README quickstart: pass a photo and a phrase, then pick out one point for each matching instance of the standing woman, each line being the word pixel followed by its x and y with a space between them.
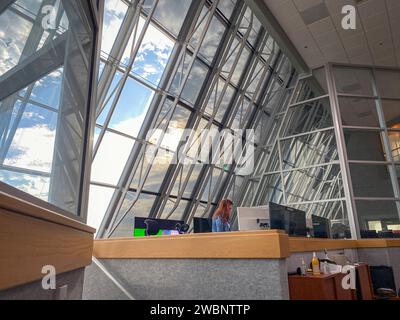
pixel 221 217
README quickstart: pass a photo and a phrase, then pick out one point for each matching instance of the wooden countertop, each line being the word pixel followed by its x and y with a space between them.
pixel 311 244
pixel 32 237
pixel 269 244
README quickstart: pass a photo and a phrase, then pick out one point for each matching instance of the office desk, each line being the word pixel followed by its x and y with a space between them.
pixel 235 265
pixel 329 286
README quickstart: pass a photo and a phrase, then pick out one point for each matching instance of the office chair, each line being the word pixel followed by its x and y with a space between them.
pixel 383 281
pixel 152 227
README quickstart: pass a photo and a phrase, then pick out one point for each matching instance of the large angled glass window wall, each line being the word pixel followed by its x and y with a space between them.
pixel 169 65
pixel 45 67
pixel 354 183
pixel 301 168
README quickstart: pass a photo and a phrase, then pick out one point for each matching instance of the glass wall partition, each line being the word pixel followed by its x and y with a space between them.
pixel 46 50
pixel 336 154
pixel 369 104
pixel 303 170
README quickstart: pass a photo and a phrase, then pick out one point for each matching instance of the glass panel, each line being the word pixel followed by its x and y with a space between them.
pixel 391 111
pixel 335 211
pixel 388 83
pixel 272 190
pixel 315 148
pixel 216 96
pixel 36 185
pixel 210 189
pixel 15 31
pixel 114 13
pixel 320 76
pixel 172 132
pixel 354 81
pixel 170 13
pixel 226 7
pixel 111 94
pixel 159 166
pixel 212 38
pixel 32 145
pixel 240 66
pixel 318 183
pixel 359 112
pixel 308 117
pixel 371 181
pixel 250 21
pixel 178 184
pixel 132 108
pixel 364 145
pixel 111 158
pixel 99 199
pixel 305 90
pixel 43 61
pixel 194 82
pixel 141 208
pixel 370 213
pixel 48 89
pixel 153 55
pixel 261 127
pixel 244 110
pixel 172 213
pixel 394 140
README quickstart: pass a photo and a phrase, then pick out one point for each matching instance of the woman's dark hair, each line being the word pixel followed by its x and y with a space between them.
pixel 222 211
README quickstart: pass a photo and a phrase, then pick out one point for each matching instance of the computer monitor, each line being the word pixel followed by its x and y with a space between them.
pixel 368 234
pixel 321 227
pixel 296 225
pixel 256 218
pixel 277 216
pixel 386 234
pixel 293 221
pixel 165 227
pixel 202 225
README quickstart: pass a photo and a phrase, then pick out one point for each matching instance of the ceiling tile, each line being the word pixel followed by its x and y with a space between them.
pixel 314 14
pixel 376 38
pixel 369 8
pixel 306 4
pixel 363 59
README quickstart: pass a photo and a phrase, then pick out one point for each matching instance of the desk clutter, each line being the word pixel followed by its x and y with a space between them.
pixel 336 278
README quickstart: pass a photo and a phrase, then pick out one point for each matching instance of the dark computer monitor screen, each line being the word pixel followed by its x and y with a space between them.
pixel 291 220
pixel 321 227
pixel 368 234
pixel 277 216
pixel 296 222
pixel 202 225
pixel 165 227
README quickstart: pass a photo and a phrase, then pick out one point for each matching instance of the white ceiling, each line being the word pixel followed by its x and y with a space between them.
pixel 376 40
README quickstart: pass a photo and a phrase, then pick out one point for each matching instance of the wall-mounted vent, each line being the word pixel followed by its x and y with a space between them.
pixel 314 14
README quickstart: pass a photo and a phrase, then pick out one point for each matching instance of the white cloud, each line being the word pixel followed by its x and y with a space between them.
pixel 99 199
pixel 33 148
pixel 34 185
pixel 12 39
pixel 111 158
